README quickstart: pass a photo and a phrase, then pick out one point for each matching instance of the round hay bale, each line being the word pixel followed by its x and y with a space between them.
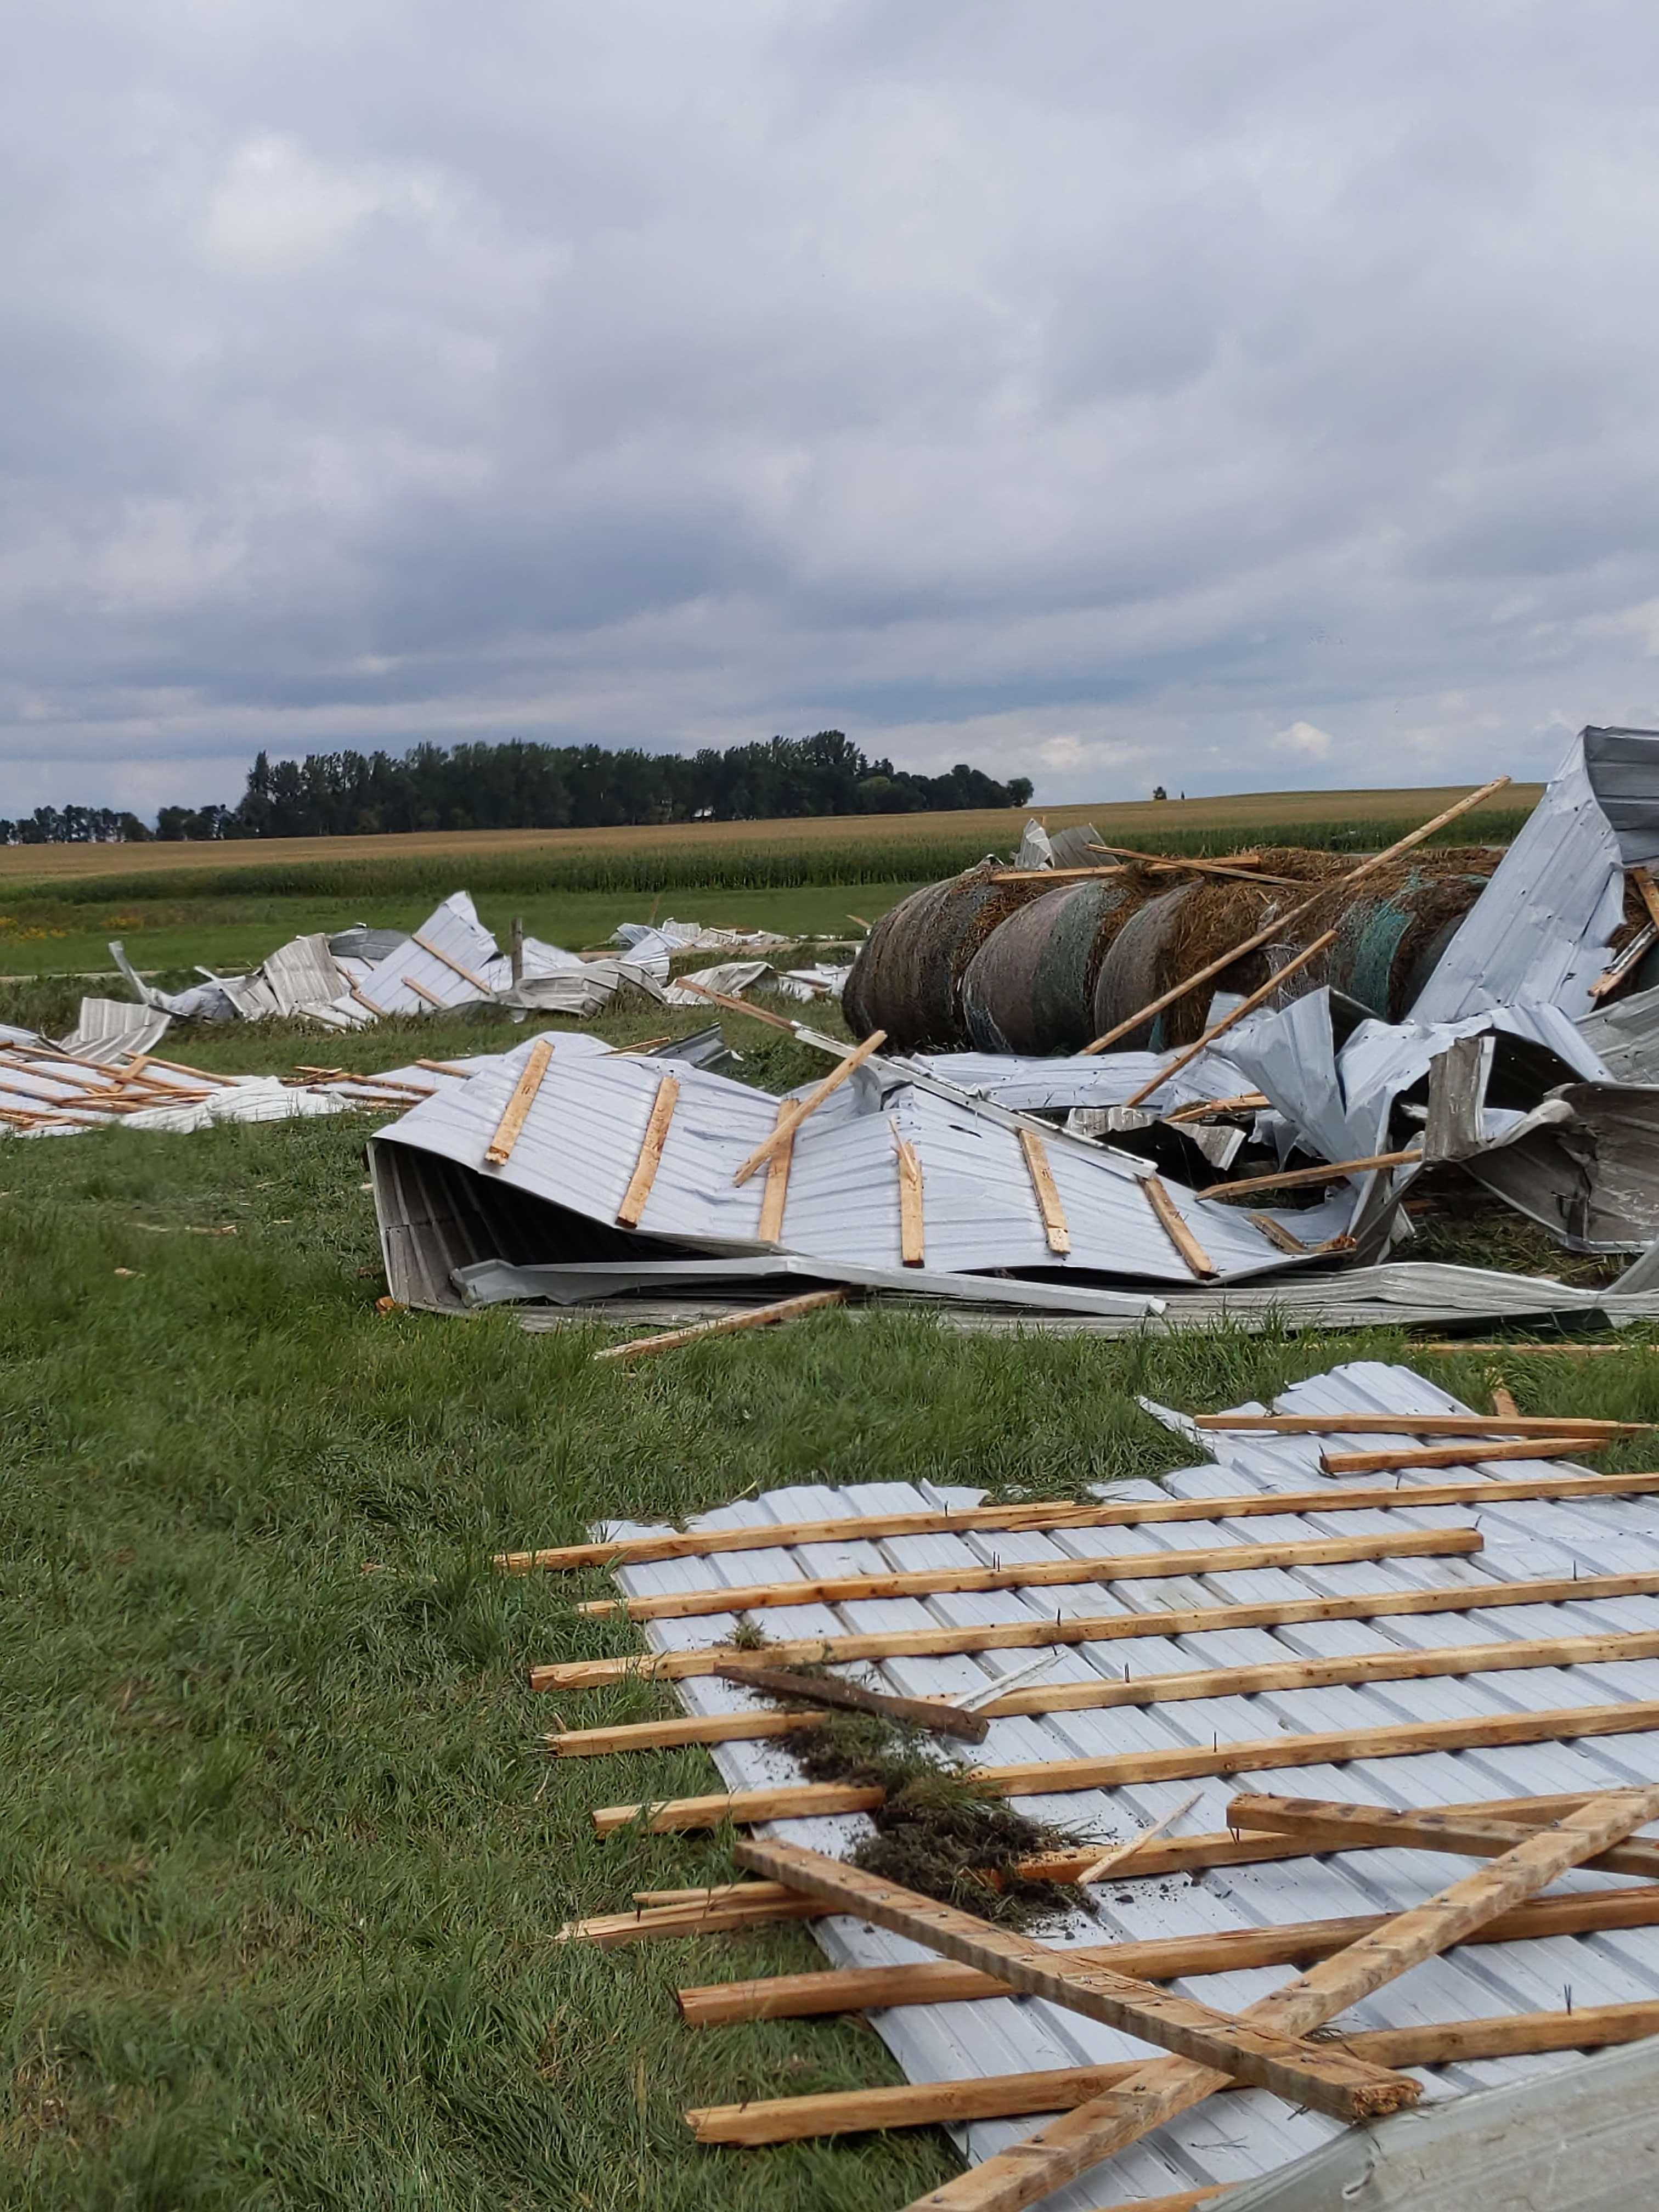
pixel 1031 987
pixel 1393 929
pixel 1142 962
pixel 906 979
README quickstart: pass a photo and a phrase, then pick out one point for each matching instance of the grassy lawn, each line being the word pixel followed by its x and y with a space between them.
pixel 283 1858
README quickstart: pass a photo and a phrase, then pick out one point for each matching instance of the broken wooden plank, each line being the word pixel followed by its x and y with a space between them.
pixel 1643 879
pixel 1277 1233
pixel 1159 1958
pixel 788 1123
pixel 913 1226
pixel 1184 1763
pixel 852 1697
pixel 1057 2089
pixel 1415 1425
pixel 1049 1209
pixel 1621 965
pixel 1198 1261
pixel 647 1347
pixel 1304 2073
pixel 1245 1102
pixel 1332 1824
pixel 1276 928
pixel 614 1931
pixel 1295 1178
pixel 1040 1574
pixel 776 1193
pixel 1117 1859
pixel 456 968
pixel 1473 1452
pixel 499 1150
pixel 1158 2091
pixel 1249 1005
pixel 650 1154
pixel 1098 1628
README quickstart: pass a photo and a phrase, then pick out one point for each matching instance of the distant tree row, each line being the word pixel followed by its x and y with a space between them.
pixel 531 787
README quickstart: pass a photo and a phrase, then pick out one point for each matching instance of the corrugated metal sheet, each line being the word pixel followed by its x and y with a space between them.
pixel 1247 2133
pixel 455 929
pixel 1540 929
pixel 301 975
pixel 1626 1036
pixel 580 1141
pixel 1053 1086
pixel 111 1028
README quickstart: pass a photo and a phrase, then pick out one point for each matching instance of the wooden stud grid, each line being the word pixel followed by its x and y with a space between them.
pixel 1157 2092
pixel 1315 2075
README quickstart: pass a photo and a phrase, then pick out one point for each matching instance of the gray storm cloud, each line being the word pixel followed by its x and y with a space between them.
pixel 1246 397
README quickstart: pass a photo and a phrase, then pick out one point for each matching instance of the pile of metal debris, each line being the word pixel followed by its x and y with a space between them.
pixel 1103 1186
pixel 357 976
pixel 1299 1694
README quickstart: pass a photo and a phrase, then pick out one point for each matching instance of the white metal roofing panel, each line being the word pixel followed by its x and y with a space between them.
pixel 455 930
pixel 1245 2133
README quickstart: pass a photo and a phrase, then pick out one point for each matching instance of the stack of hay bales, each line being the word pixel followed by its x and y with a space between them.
pixel 1012 965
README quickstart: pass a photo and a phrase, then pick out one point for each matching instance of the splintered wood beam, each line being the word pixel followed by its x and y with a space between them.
pixel 1096 1628
pixel 1474 1451
pixel 913 1226
pixel 1294 1178
pixel 1198 1261
pixel 1057 2089
pixel 650 1158
pixel 1246 1102
pixel 1120 1769
pixel 1621 964
pixel 1277 1233
pixel 852 1697
pixel 1053 1213
pixel 499 1150
pixel 615 1931
pixel 1415 1425
pixel 647 1347
pixel 1327 1825
pixel 789 1122
pixel 1503 1402
pixel 1258 998
pixel 1157 2092
pixel 1395 1664
pixel 776 1193
pixel 1041 1574
pixel 1160 1957
pixel 448 960
pixel 1316 2075
pixel 1276 928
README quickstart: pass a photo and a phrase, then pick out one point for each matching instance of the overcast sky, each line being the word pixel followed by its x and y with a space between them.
pixel 1238 397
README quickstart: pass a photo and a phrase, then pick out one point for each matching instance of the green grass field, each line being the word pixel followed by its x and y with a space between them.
pixel 283 1859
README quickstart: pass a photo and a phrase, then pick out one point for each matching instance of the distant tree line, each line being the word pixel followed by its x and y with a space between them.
pixel 531 787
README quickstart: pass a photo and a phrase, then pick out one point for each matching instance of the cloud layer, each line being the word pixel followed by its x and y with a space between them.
pixel 1222 398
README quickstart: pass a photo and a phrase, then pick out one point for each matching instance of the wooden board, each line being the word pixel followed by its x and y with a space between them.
pixel 1327 1825
pixel 1158 2091
pixel 1328 2079
pixel 499 1150
pixel 456 968
pixel 1041 1574
pixel 1159 1958
pixel 1297 1178
pixel 647 1347
pixel 1059 1513
pixel 789 1122
pixel 1051 1212
pixel 650 1158
pixel 1198 1259
pixel 1056 2089
pixel 776 1195
pixel 912 1224
pixel 1398 1663
pixel 1185 1763
pixel 1099 1628
pixel 1471 1451
pixel 413 983
pixel 1416 1424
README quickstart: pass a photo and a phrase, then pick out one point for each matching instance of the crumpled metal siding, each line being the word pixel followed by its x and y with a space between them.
pixel 1246 2132
pixel 1540 929
pixel 1052 1086
pixel 1624 1035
